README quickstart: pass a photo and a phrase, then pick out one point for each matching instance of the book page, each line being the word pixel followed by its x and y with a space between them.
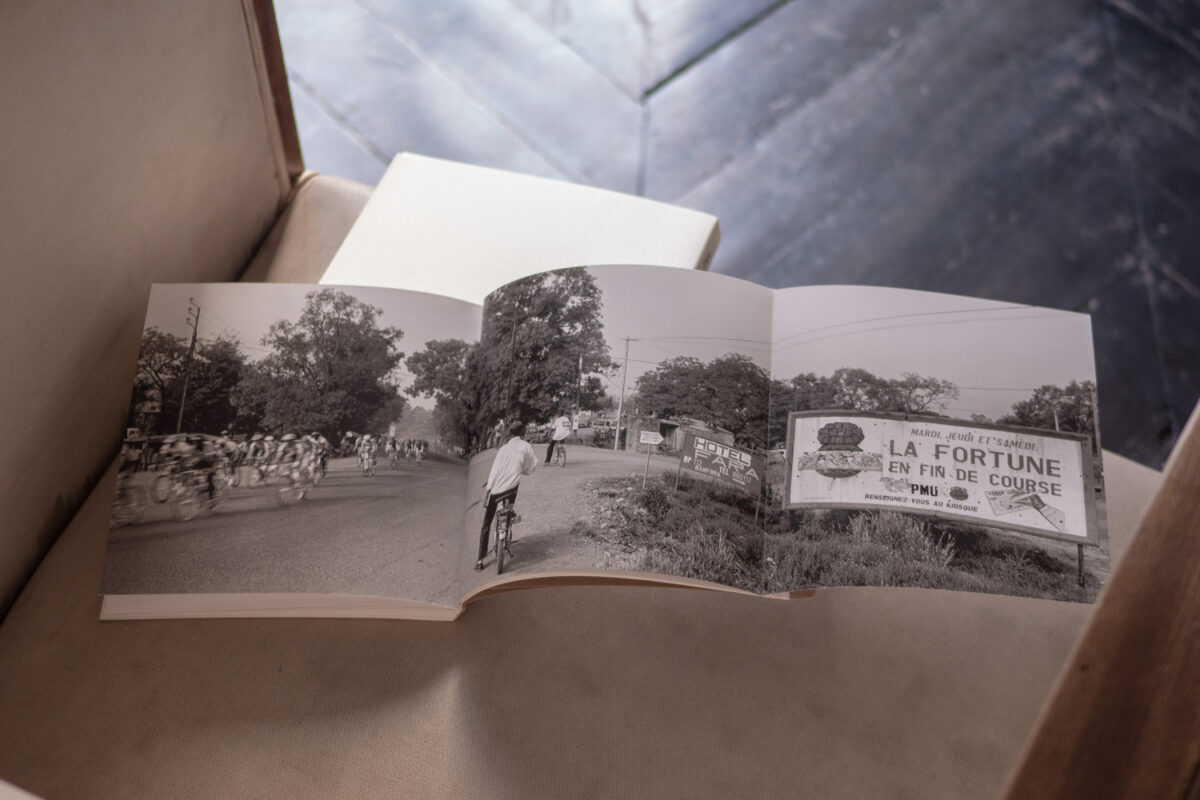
pixel 484 227
pixel 931 440
pixel 281 458
pixel 640 400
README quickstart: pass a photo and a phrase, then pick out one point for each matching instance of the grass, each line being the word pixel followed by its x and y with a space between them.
pixel 701 531
pixel 706 531
pixel 886 548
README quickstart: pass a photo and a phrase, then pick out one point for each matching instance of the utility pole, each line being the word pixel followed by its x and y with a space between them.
pixel 512 367
pixel 194 319
pixel 578 393
pixel 621 402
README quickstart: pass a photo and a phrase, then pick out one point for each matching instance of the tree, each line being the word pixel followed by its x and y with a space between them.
pixel 216 370
pixel 1067 408
pixel 855 389
pixel 740 392
pixel 330 371
pixel 675 388
pixel 160 364
pixel 730 392
pixel 535 333
pixel 914 394
pixel 860 390
pixel 440 371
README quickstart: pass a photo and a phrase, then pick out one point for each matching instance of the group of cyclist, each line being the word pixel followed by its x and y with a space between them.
pixel 367 448
pixel 307 454
pixel 211 462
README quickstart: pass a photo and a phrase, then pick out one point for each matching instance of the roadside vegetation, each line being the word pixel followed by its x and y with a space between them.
pixel 702 531
pixel 706 531
pixel 887 548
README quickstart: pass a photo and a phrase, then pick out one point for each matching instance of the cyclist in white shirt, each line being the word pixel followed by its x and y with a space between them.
pixel 562 429
pixel 514 459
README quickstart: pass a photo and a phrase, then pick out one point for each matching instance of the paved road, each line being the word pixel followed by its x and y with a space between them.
pixel 550 502
pixel 396 534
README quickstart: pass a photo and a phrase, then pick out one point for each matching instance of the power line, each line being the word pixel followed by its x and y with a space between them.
pixel 910 325
pixel 759 342
pixel 1011 307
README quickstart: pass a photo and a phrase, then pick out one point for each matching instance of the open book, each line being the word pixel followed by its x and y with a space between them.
pixel 345 451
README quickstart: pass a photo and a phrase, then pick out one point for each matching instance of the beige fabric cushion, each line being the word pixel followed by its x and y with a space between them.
pixel 599 692
pixel 137 146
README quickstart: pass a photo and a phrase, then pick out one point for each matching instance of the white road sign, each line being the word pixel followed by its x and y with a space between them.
pixel 1017 478
pixel 650 437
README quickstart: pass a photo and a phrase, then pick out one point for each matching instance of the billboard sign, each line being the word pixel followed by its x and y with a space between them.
pixel 1020 479
pixel 730 464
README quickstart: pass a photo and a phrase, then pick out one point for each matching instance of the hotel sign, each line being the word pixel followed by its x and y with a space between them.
pixel 724 462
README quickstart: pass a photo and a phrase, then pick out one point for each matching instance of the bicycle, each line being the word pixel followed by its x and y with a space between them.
pixel 260 471
pixel 506 517
pixel 128 504
pixel 185 493
pixel 368 465
pixel 295 490
pixel 160 488
pixel 560 455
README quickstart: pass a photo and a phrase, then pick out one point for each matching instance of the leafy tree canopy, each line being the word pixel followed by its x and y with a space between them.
pixel 541 347
pixel 216 369
pixel 856 389
pixel 330 371
pixel 1067 408
pixel 441 371
pixel 540 335
pixel 731 392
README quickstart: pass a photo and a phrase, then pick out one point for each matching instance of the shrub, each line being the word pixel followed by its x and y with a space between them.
pixel 906 536
pixel 704 555
pixel 656 501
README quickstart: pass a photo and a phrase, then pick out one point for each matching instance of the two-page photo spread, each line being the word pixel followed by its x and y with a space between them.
pixel 344 451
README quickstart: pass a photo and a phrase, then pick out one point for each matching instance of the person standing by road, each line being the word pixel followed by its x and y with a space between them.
pixel 515 459
pixel 562 429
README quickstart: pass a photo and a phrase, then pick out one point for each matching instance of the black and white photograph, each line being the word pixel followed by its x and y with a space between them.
pixel 278 442
pixel 604 396
pixel 623 421
pixel 929 440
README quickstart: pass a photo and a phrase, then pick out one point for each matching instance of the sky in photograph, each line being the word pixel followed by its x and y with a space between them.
pixel 247 310
pixel 997 353
pixel 672 312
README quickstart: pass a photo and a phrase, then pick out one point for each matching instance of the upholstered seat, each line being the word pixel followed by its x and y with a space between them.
pixel 153 142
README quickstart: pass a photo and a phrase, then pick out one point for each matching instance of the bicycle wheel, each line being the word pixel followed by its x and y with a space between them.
pixel 560 455
pixel 503 524
pixel 186 505
pixel 291 494
pixel 160 490
pixel 125 509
